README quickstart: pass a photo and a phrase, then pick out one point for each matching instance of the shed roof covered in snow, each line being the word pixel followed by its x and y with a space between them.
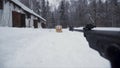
pixel 26 8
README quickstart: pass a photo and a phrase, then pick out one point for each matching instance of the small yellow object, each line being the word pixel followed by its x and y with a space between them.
pixel 58 28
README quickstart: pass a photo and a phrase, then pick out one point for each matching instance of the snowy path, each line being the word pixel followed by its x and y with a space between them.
pixel 36 48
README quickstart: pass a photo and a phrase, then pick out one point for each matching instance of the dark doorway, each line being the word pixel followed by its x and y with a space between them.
pixel 35 23
pixel 43 25
pixel 18 19
pixel 23 20
pixel 1 4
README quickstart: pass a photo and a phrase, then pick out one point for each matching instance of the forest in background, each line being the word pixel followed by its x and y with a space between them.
pixel 78 13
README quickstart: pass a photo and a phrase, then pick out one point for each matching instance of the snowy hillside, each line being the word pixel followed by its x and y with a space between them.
pixel 44 48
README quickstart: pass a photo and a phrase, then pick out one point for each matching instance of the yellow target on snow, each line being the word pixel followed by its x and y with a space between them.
pixel 58 28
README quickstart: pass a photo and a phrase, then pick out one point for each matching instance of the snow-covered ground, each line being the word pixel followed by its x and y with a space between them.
pixel 44 48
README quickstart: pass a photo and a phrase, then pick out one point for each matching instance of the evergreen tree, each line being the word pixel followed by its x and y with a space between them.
pixel 43 8
pixel 63 11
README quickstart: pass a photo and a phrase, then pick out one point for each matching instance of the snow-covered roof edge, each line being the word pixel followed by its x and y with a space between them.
pixel 26 8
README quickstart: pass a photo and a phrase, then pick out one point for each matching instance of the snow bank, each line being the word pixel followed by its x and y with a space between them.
pixel 38 48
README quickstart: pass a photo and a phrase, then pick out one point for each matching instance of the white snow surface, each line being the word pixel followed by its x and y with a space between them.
pixel 44 48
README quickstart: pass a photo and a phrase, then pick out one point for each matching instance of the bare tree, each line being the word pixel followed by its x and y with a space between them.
pixel 78 12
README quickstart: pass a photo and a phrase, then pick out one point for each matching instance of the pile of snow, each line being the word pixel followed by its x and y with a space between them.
pixel 44 48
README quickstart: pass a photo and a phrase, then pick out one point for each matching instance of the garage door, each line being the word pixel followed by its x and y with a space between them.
pixel 18 19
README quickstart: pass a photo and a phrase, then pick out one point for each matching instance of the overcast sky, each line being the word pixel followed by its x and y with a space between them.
pixel 54 2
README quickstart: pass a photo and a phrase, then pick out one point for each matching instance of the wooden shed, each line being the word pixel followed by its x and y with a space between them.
pixel 14 14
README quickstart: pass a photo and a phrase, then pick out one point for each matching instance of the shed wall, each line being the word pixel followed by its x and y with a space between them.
pixel 6 15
